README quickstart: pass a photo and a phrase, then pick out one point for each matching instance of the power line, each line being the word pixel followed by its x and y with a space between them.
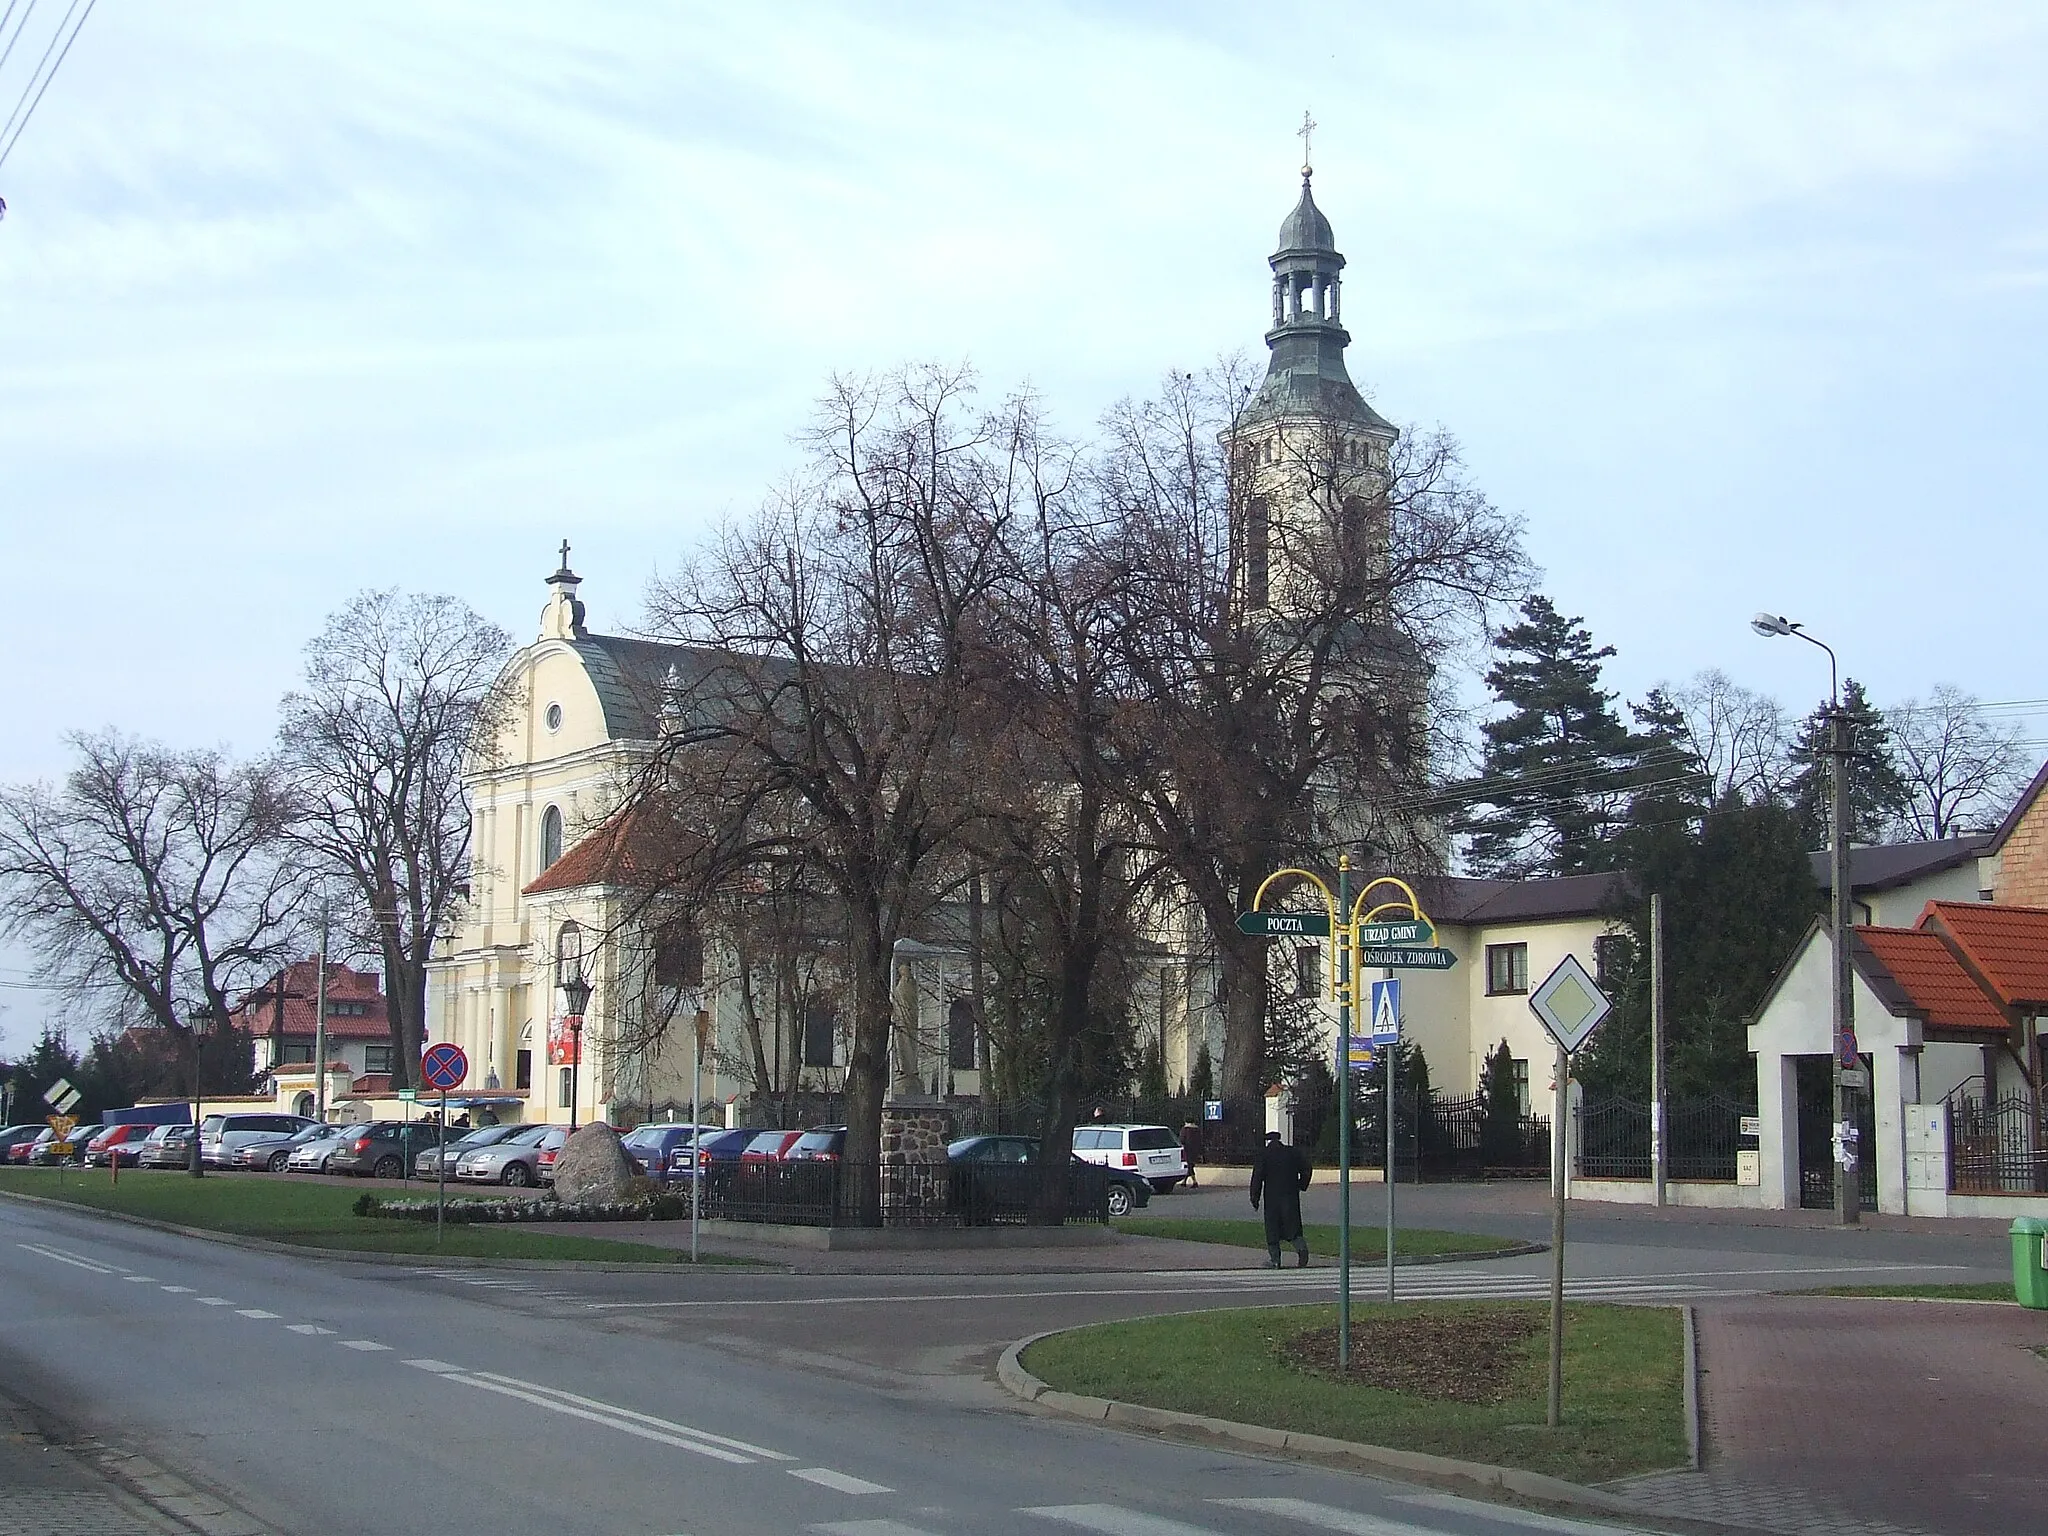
pixel 8 148
pixel 4 52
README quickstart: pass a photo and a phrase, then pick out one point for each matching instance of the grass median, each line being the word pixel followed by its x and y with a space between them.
pixel 311 1215
pixel 1460 1379
pixel 1367 1243
pixel 1966 1290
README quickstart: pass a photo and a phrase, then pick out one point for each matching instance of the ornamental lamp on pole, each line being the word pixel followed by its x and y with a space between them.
pixel 197 1020
pixel 1848 1176
pixel 575 998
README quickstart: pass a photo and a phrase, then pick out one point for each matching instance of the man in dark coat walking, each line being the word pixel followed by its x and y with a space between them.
pixel 1280 1174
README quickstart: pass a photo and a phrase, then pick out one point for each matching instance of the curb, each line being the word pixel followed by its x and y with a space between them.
pixel 1695 1437
pixel 403 1260
pixel 1470 1478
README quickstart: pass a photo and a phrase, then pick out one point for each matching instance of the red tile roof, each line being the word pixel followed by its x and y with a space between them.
pixel 2005 946
pixel 257 1012
pixel 639 848
pixel 1915 972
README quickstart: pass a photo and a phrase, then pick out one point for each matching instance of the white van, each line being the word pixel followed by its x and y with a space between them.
pixel 1150 1151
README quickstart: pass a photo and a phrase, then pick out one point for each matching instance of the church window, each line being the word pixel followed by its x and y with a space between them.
pixel 679 957
pixel 1258 535
pixel 554 717
pixel 960 1035
pixel 568 952
pixel 522 1071
pixel 819 1019
pixel 550 836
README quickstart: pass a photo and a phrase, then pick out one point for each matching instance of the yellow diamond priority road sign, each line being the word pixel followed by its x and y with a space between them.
pixel 1570 1004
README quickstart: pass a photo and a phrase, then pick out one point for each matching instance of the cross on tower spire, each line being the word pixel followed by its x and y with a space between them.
pixel 1304 133
pixel 565 554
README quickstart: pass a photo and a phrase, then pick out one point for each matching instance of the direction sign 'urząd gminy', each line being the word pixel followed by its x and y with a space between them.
pixel 1394 934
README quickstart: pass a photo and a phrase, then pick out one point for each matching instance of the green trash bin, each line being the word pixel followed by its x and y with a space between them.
pixel 2029 1275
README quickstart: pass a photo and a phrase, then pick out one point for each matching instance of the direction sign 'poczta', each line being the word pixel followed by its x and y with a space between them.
pixel 1290 925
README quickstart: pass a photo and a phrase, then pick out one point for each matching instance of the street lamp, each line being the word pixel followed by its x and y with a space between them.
pixel 575 998
pixel 197 1020
pixel 1848 1182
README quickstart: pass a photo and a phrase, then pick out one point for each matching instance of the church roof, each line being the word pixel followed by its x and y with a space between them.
pixel 1306 229
pixel 639 847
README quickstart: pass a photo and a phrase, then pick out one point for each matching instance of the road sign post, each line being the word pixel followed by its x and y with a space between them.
pixel 1346 979
pixel 1570 1005
pixel 1386 1041
pixel 442 1066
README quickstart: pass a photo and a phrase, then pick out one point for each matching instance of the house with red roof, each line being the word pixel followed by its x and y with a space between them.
pixel 1948 1019
pixel 279 1016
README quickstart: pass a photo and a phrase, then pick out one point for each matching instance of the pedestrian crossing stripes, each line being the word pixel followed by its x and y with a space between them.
pixel 1245 1516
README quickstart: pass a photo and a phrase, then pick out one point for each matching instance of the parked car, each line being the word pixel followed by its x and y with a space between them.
pixel 769 1146
pixel 989 1181
pixel 117 1143
pixel 20 1136
pixel 272 1154
pixel 1151 1151
pixel 652 1146
pixel 820 1144
pixel 428 1164
pixel 715 1157
pixel 513 1161
pixel 383 1149
pixel 43 1152
pixel 546 1150
pixel 166 1146
pixel 220 1135
pixel 316 1153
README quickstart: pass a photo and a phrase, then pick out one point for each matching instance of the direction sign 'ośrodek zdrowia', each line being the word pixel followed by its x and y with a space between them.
pixel 1293 925
pixel 1414 959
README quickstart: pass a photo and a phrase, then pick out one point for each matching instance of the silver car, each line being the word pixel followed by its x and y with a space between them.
pixel 312 1156
pixel 428 1164
pixel 273 1154
pixel 514 1161
pixel 168 1146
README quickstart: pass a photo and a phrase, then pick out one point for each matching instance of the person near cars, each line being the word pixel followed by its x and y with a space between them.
pixel 1280 1174
pixel 1190 1145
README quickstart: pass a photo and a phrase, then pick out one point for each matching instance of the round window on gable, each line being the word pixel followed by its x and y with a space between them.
pixel 554 717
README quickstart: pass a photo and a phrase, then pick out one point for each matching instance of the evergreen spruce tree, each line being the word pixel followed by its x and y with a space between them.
pixel 1738 894
pixel 1877 794
pixel 1500 1132
pixel 1554 771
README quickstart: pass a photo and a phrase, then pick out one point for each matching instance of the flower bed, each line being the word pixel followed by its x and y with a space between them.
pixel 660 1207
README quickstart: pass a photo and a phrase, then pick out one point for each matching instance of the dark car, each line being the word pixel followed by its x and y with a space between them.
pixel 43 1150
pixel 384 1149
pixel 820 1144
pixel 651 1146
pixel 997 1177
pixel 716 1158
pixel 20 1136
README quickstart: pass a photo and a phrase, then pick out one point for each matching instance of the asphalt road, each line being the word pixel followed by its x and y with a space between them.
pixel 329 1397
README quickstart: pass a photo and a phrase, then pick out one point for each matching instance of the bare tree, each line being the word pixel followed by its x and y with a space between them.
pixel 1961 772
pixel 398 688
pixel 1740 739
pixel 152 884
pixel 1291 721
pixel 838 671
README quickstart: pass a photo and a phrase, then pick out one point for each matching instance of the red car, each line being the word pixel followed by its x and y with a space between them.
pixel 117 1143
pixel 550 1149
pixel 770 1146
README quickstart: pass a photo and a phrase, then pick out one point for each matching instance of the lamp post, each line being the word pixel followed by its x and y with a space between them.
pixel 1848 1178
pixel 575 998
pixel 197 1020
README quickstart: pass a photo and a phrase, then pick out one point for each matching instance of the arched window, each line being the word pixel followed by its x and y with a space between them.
pixel 550 837
pixel 568 952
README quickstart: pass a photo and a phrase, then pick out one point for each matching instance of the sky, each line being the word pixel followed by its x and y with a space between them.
pixel 1739 306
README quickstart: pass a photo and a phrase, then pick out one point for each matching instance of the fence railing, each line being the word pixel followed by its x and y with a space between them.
pixel 1995 1147
pixel 845 1194
pixel 1702 1138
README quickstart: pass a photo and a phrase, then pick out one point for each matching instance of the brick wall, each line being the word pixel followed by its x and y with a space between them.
pixel 2023 869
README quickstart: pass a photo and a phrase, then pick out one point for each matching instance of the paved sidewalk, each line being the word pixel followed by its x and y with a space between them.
pixel 1833 1416
pixel 45 1491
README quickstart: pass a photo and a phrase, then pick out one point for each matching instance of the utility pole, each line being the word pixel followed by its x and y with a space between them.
pixel 1660 1126
pixel 1340 944
pixel 320 1021
pixel 1848 1176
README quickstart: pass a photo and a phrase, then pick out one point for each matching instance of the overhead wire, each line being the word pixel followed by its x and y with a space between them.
pixel 9 49
pixel 7 148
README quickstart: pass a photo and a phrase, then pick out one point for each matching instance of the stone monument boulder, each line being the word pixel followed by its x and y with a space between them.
pixel 592 1166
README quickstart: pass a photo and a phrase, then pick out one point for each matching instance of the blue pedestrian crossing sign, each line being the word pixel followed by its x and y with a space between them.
pixel 1386 1012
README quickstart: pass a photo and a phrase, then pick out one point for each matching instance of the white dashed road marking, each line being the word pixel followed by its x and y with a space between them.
pixel 870 1528
pixel 310 1330
pixel 213 1301
pixel 365 1345
pixel 838 1482
pixel 179 1290
pixel 257 1313
pixel 1111 1521
pixel 140 1279
pixel 1324 1517
pixel 438 1367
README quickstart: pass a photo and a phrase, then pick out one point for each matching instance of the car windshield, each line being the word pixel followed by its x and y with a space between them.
pixel 306 1133
pixel 211 1125
pixel 526 1136
pixel 816 1141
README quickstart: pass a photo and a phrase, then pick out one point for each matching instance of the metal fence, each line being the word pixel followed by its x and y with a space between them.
pixel 1702 1138
pixel 1995 1147
pixel 819 1193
